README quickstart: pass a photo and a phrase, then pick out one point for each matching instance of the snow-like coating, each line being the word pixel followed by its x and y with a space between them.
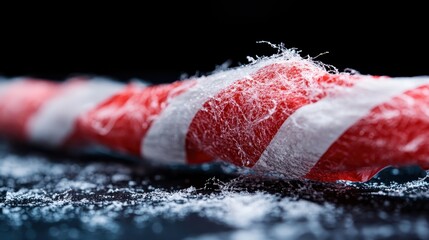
pixel 46 197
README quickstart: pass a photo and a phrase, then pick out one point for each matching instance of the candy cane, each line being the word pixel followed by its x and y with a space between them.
pixel 284 115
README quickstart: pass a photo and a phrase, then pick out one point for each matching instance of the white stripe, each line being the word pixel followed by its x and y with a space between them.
pixel 309 132
pixel 54 122
pixel 165 141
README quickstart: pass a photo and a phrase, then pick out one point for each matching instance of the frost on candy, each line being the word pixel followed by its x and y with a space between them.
pixel 281 114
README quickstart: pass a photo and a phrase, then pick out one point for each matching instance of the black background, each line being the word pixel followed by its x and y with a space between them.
pixel 158 41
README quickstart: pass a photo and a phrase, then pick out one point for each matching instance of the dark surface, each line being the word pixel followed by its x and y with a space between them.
pixel 46 196
pixel 50 196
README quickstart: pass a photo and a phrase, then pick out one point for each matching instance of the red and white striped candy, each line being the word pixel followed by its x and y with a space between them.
pixel 282 115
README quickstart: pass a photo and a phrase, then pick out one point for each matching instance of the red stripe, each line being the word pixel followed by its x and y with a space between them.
pixel 238 123
pixel 121 122
pixel 20 101
pixel 393 133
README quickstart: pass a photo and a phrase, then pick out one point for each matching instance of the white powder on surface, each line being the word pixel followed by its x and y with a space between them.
pixel 78 199
pixel 10 167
